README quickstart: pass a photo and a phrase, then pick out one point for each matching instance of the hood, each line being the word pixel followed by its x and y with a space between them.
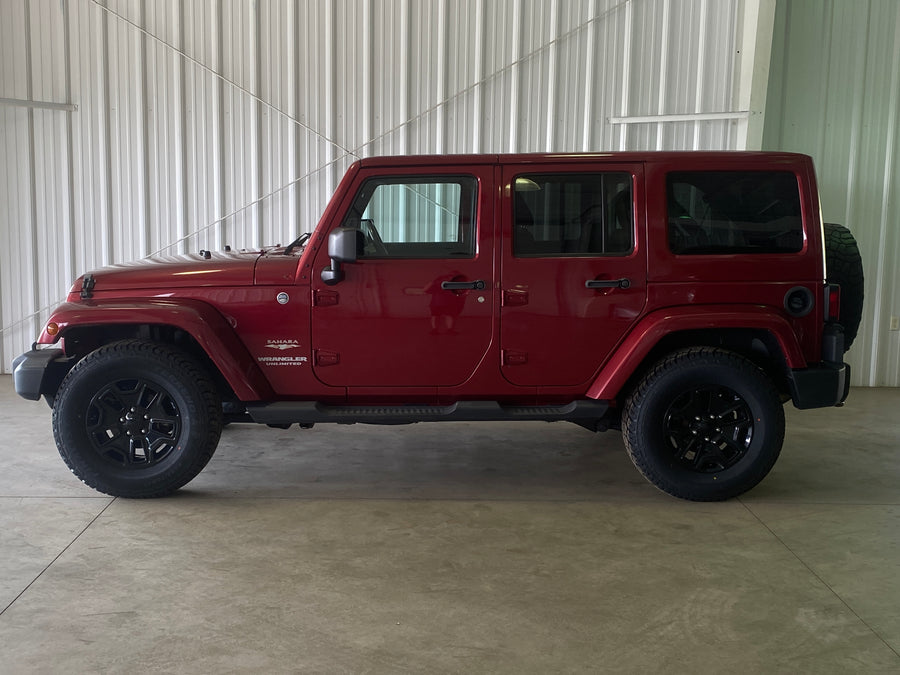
pixel 230 268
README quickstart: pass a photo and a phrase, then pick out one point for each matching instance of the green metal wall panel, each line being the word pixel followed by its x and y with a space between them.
pixel 834 93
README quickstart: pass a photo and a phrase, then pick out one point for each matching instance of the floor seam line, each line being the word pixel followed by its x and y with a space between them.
pixel 821 580
pixel 54 497
pixel 57 557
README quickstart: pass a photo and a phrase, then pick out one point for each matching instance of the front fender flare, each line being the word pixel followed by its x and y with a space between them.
pixel 198 319
pixel 656 325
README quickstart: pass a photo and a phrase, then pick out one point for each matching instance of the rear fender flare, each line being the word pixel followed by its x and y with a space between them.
pixel 198 319
pixel 655 326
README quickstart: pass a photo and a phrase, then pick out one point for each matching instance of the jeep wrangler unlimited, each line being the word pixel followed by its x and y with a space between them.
pixel 681 297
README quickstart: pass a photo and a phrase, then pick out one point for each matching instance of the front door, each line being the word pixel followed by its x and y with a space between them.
pixel 415 309
pixel 574 274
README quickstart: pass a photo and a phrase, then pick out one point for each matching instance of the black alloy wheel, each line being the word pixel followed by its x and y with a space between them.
pixel 704 424
pixel 709 429
pixel 133 423
pixel 137 419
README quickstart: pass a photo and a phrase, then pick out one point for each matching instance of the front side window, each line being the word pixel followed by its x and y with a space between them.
pixel 583 214
pixel 723 212
pixel 415 217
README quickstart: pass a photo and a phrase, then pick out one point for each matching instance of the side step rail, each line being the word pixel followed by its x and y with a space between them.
pixel 311 412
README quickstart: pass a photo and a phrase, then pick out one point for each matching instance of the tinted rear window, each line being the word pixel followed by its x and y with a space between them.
pixel 722 212
pixel 583 214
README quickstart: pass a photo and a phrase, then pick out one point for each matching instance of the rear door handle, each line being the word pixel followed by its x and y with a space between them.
pixel 463 285
pixel 608 283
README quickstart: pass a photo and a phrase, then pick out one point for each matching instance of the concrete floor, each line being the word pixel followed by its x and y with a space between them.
pixel 456 548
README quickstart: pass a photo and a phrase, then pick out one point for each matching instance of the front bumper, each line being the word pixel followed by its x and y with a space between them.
pixel 39 372
pixel 821 386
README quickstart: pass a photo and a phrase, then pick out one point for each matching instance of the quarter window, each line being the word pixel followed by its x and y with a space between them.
pixel 585 214
pixel 415 217
pixel 722 212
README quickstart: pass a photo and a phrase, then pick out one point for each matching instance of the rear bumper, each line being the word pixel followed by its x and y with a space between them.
pixel 820 386
pixel 39 372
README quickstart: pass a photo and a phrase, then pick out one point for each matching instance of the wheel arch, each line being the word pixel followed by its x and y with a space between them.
pixel 193 326
pixel 758 334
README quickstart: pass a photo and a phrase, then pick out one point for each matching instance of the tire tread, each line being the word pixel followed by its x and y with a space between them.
pixel 844 267
pixel 164 355
pixel 634 435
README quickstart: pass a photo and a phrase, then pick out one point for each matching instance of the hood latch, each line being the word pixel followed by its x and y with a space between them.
pixel 87 286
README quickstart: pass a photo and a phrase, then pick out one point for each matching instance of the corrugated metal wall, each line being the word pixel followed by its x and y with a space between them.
pixel 210 122
pixel 835 94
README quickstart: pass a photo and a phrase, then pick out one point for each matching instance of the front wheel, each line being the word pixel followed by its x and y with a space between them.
pixel 136 419
pixel 704 424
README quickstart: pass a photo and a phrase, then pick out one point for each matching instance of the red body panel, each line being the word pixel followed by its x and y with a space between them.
pixel 534 333
pixel 390 324
pixel 555 332
pixel 276 269
pixel 657 325
pixel 181 271
pixel 207 325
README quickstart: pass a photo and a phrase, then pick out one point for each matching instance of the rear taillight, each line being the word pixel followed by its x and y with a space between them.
pixel 832 302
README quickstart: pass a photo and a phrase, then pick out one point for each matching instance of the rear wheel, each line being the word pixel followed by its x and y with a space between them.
pixel 704 424
pixel 136 419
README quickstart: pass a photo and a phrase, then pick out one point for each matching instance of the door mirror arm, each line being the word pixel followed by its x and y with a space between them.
pixel 333 274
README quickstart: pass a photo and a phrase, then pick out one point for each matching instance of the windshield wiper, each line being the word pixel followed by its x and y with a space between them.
pixel 299 241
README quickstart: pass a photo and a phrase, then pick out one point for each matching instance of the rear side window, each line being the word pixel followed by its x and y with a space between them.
pixel 584 214
pixel 722 212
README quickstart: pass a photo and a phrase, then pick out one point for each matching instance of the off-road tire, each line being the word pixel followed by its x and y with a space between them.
pixel 844 267
pixel 704 424
pixel 137 419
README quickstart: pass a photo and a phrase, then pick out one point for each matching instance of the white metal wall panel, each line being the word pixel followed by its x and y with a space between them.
pixel 47 148
pixel 16 251
pixel 163 131
pixel 202 123
pixel 835 94
pixel 209 122
pixel 18 277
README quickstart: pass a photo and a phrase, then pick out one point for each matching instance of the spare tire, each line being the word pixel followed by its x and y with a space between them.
pixel 844 267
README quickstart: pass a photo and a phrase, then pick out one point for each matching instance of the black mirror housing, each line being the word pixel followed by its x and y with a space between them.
pixel 342 245
pixel 332 275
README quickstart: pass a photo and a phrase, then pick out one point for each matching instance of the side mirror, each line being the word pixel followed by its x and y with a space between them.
pixel 342 247
pixel 342 244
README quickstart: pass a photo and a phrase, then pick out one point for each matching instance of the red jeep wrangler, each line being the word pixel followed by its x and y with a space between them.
pixel 681 297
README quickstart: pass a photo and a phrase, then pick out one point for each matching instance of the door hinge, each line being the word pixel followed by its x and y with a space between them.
pixel 513 358
pixel 323 298
pixel 326 358
pixel 515 298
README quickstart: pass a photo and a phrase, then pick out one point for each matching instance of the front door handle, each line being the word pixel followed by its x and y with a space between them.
pixel 608 283
pixel 463 285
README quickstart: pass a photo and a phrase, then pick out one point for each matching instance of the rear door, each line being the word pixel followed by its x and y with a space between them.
pixel 416 308
pixel 573 268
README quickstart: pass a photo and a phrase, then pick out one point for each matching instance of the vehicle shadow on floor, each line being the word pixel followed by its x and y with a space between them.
pixel 460 460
